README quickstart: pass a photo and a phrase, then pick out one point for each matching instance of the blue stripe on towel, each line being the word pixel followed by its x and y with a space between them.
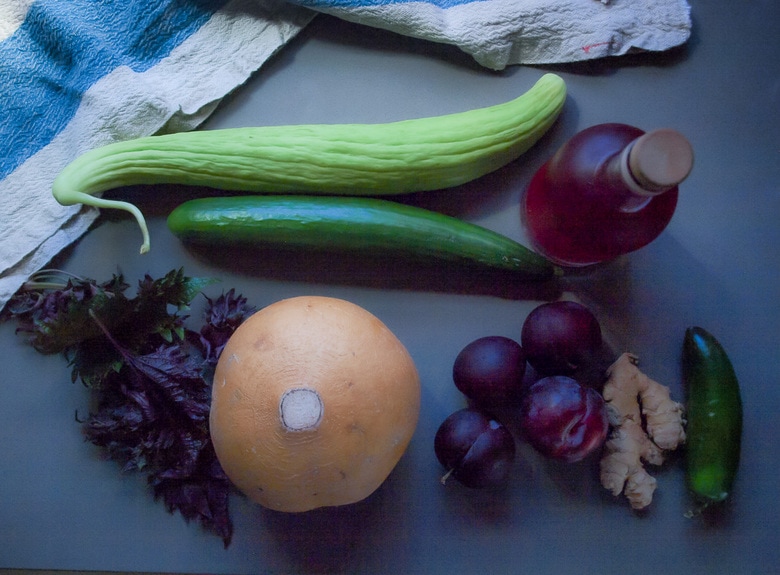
pixel 65 46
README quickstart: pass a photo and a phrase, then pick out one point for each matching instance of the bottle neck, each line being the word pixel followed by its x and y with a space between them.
pixel 637 193
pixel 654 163
pixel 626 192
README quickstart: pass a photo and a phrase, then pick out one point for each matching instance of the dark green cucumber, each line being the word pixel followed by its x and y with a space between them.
pixel 714 414
pixel 367 225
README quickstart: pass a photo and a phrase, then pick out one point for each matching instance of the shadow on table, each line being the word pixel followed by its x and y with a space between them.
pixel 349 537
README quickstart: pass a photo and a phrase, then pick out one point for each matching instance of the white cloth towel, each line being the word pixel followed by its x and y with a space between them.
pixel 498 33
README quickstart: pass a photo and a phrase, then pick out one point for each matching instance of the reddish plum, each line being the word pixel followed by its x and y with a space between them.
pixel 475 449
pixel 561 337
pixel 562 419
pixel 490 370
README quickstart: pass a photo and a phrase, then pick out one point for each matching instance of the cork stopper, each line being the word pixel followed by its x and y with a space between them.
pixel 660 159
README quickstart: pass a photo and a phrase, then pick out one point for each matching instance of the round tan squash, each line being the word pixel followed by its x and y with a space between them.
pixel 314 402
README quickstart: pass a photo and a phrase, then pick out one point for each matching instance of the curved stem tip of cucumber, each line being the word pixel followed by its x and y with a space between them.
pixel 88 200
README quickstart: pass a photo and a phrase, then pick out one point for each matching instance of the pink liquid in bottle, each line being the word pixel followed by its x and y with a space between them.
pixel 610 190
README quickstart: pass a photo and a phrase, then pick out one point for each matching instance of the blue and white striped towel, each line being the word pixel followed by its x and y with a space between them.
pixel 77 74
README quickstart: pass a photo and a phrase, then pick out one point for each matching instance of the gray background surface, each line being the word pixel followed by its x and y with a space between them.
pixel 63 507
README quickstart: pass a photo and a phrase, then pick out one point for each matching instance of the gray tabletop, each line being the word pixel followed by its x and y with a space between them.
pixel 716 265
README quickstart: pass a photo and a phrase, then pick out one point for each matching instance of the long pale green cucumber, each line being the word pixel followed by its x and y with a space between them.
pixel 345 159
pixel 352 224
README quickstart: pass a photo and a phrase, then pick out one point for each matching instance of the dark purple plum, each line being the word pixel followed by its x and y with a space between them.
pixel 562 419
pixel 476 450
pixel 490 370
pixel 560 338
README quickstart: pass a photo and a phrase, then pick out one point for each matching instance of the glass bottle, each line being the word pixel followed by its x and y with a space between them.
pixel 609 190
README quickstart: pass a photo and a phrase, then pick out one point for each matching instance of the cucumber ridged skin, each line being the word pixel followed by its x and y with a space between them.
pixel 352 224
pixel 714 417
pixel 334 159
pixel 353 159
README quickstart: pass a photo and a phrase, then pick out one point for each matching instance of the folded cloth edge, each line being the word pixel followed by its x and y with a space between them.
pixel 35 227
pixel 500 33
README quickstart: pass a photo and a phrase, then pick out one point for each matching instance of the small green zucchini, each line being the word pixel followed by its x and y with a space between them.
pixel 714 414
pixel 336 159
pixel 352 224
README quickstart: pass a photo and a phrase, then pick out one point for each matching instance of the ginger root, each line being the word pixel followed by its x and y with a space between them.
pixel 645 423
